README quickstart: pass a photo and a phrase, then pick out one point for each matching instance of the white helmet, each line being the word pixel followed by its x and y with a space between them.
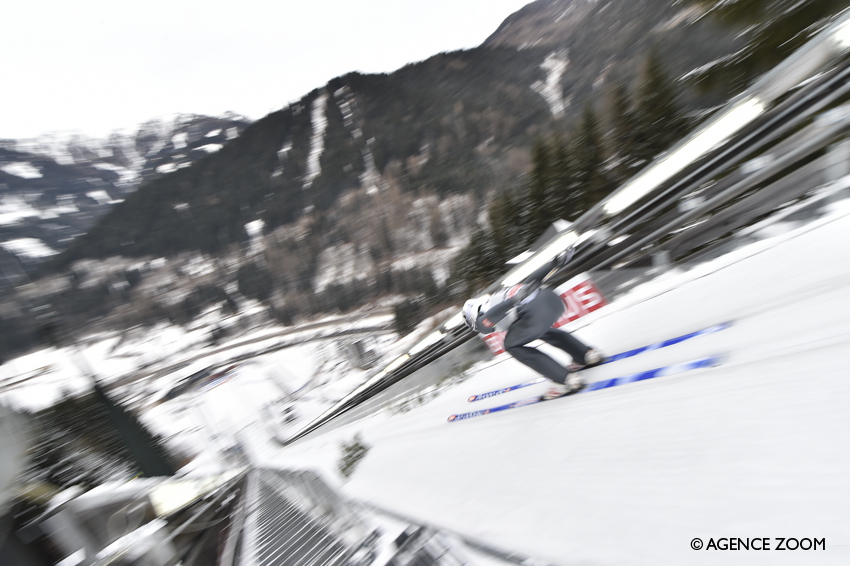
pixel 472 308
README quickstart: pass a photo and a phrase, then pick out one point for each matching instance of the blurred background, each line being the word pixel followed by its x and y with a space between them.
pixel 235 340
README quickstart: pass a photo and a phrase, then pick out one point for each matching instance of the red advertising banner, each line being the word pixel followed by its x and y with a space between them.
pixel 495 341
pixel 580 297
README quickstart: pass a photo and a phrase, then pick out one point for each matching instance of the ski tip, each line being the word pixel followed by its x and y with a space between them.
pixel 472 398
pixel 452 418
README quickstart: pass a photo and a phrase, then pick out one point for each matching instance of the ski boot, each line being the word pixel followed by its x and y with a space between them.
pixel 574 383
pixel 592 358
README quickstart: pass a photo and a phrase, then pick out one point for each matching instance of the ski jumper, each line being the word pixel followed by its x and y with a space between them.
pixel 528 312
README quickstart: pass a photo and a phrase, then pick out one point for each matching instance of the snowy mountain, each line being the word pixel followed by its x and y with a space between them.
pixel 365 188
pixel 55 187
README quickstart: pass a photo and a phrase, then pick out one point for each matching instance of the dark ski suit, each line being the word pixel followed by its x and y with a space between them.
pixel 529 311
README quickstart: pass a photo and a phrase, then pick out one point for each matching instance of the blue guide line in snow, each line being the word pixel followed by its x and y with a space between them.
pixel 670 342
pixel 614 358
pixel 710 361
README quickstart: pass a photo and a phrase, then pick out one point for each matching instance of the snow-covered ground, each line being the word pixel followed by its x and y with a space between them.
pixel 140 365
pixel 754 448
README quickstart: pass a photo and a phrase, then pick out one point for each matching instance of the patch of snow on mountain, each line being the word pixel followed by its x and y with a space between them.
pixel 555 65
pixel 179 140
pixel 66 148
pixel 64 205
pixel 346 105
pixel 197 266
pixel 210 147
pixel 235 117
pixel 54 145
pixel 167 168
pixel 28 247
pixel 255 229
pixel 319 122
pixel 371 177
pixel 13 209
pixel 102 197
pixel 23 169
pixel 284 150
pixel 125 176
pixel 213 133
pixel 255 232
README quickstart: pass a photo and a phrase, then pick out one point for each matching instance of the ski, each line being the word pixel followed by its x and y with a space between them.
pixel 614 358
pixel 506 389
pixel 710 361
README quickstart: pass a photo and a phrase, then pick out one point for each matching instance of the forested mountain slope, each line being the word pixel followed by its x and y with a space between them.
pixel 369 184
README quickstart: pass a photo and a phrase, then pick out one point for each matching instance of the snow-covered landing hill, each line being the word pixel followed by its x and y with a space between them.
pixel 754 448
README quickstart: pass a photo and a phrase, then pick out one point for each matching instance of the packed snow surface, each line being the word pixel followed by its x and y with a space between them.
pixel 754 448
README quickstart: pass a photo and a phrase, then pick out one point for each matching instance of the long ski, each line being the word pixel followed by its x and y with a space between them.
pixel 710 361
pixel 506 389
pixel 614 358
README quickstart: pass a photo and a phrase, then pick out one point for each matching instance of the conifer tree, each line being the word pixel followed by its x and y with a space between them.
pixel 535 216
pixel 559 197
pixel 622 133
pixel 590 181
pixel 510 235
pixel 479 261
pixel 659 118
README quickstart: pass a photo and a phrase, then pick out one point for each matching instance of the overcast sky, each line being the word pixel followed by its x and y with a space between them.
pixel 95 66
